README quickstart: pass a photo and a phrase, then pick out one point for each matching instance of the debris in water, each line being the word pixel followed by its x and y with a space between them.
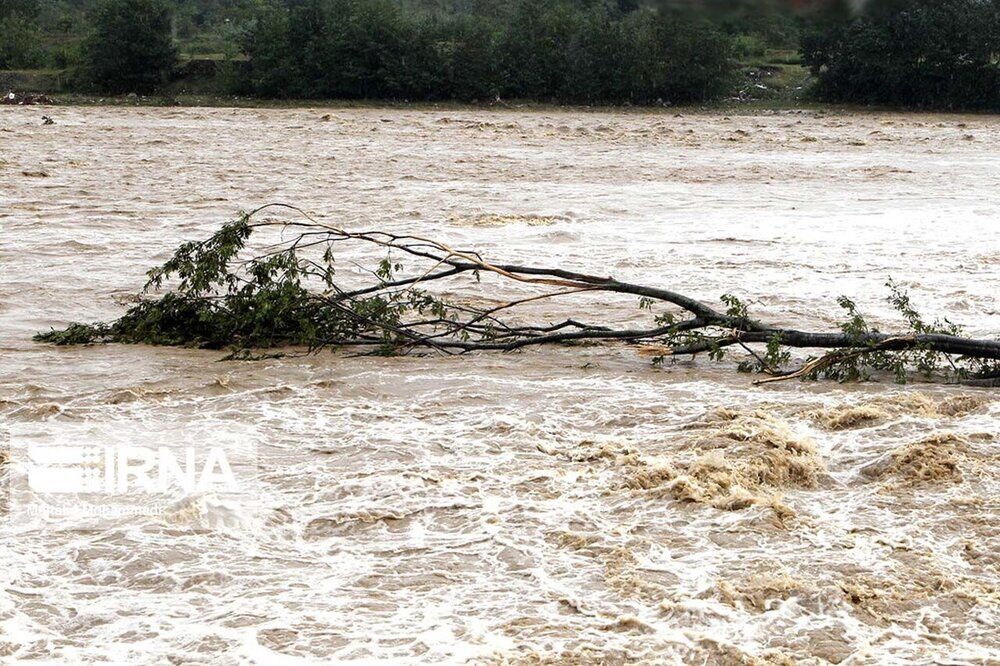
pixel 24 99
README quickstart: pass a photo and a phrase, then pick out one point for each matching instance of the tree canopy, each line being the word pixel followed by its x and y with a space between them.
pixel 130 48
pixel 918 53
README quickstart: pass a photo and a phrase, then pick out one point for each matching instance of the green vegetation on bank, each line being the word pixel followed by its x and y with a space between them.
pixel 130 48
pixel 564 51
pixel 544 50
pixel 912 53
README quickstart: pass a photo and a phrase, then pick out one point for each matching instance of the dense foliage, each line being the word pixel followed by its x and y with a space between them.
pixel 19 34
pixel 757 24
pixel 623 51
pixel 130 48
pixel 915 53
pixel 919 53
pixel 543 49
pixel 246 304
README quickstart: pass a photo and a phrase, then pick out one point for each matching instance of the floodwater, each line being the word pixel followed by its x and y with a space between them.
pixel 562 505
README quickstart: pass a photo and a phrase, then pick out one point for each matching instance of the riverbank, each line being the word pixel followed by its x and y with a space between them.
pixel 732 107
pixel 777 82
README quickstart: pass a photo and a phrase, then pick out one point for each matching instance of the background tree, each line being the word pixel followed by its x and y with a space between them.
pixel 272 68
pixel 536 46
pixel 469 50
pixel 589 52
pixel 917 53
pixel 19 34
pixel 130 48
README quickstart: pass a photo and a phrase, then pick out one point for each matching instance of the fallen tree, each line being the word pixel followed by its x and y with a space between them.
pixel 289 294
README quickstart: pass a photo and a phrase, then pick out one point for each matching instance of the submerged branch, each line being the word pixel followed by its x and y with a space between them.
pixel 289 293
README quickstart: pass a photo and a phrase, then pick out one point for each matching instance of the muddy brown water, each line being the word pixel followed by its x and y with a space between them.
pixel 567 505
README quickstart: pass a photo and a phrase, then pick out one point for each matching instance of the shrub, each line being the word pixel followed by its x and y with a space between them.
pixel 535 48
pixel 693 60
pixel 272 71
pixel 342 48
pixel 541 49
pixel 19 38
pixel 772 23
pixel 19 34
pixel 748 46
pixel 129 48
pixel 468 48
pixel 646 57
pixel 917 53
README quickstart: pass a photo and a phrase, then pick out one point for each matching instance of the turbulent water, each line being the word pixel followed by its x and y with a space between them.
pixel 566 505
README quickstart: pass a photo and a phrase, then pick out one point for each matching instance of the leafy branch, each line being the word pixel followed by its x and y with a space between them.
pixel 219 293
